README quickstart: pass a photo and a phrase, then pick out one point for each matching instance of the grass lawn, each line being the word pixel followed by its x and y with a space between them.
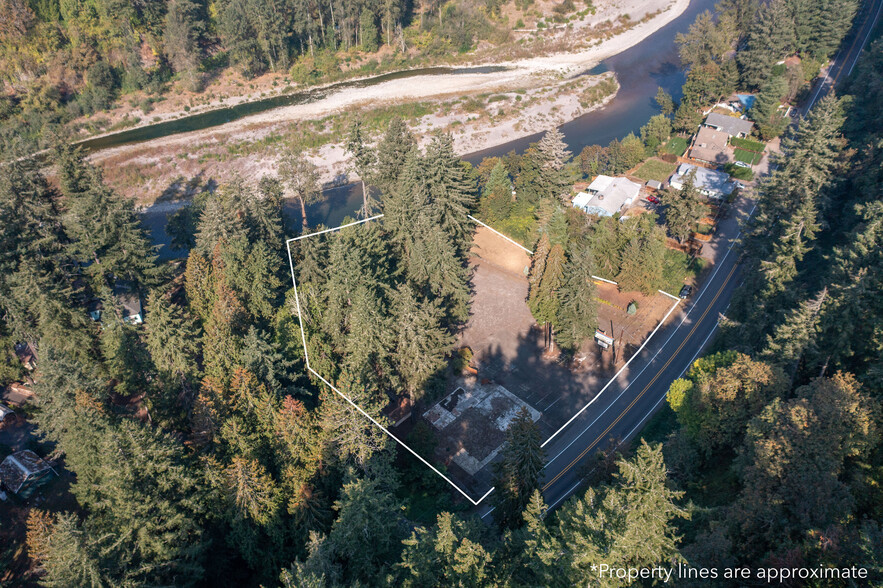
pixel 677 268
pixel 747 144
pixel 655 169
pixel 676 146
pixel 748 157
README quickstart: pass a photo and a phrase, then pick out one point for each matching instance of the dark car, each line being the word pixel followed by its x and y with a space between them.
pixel 686 291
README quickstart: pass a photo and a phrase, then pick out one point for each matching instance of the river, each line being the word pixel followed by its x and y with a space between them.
pixel 651 64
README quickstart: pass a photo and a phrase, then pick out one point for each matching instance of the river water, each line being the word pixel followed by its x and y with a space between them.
pixel 650 64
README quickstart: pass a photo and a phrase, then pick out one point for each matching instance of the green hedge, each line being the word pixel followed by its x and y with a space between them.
pixel 747 144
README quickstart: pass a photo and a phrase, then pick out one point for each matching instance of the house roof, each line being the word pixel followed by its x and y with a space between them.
pixel 607 195
pixel 706 180
pixel 600 183
pixel 130 302
pixel 5 411
pixel 19 467
pixel 729 124
pixel 710 145
pixel 26 353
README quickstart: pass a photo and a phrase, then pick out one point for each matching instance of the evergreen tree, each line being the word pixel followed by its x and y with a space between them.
pixel 497 202
pixel 71 557
pixel 392 153
pixel 656 132
pixel 821 26
pixel 264 213
pixel 104 228
pixel 770 39
pixel 421 343
pixel 796 334
pixel 150 500
pixel 182 33
pixel 544 300
pixel 683 209
pixel 171 338
pixel 348 438
pixel 262 357
pixel 366 533
pixel 665 103
pixel 517 474
pixel 706 41
pixel 771 121
pixel 448 554
pixel 630 523
pixel 452 193
pixel 643 258
pixel 850 323
pixel 364 163
pixel 578 313
pixel 786 221
pixel 126 359
pixel 539 548
pixel 797 454
pixel 221 220
pixel 554 155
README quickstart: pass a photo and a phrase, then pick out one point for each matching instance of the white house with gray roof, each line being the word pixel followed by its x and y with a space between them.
pixel 711 183
pixel 606 196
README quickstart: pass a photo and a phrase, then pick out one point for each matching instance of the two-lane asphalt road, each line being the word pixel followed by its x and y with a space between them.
pixel 629 402
pixel 852 47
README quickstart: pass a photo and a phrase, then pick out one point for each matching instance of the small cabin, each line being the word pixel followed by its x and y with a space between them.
pixel 23 472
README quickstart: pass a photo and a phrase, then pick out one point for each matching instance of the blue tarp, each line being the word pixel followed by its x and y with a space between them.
pixel 747 100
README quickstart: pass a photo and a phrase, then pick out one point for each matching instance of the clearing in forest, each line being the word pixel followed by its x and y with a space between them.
pixel 496 365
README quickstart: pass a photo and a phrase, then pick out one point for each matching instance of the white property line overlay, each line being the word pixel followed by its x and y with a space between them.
pixel 384 429
pixel 344 396
pixel 615 376
pixel 519 245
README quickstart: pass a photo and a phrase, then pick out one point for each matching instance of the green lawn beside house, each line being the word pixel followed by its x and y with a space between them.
pixel 748 157
pixel 655 169
pixel 676 146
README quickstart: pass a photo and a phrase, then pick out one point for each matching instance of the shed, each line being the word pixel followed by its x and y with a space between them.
pixel 732 126
pixel 22 472
pixel 27 355
pixel 6 413
pixel 654 185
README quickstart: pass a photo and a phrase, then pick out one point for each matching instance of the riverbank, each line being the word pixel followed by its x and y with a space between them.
pixel 475 121
pixel 606 28
pixel 480 109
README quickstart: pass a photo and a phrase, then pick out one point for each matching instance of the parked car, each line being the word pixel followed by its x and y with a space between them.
pixel 741 164
pixel 653 199
pixel 685 291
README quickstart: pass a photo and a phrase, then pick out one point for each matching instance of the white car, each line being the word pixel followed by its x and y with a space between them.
pixel 741 164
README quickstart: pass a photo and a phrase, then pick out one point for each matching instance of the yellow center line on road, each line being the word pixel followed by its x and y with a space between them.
pixel 647 387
